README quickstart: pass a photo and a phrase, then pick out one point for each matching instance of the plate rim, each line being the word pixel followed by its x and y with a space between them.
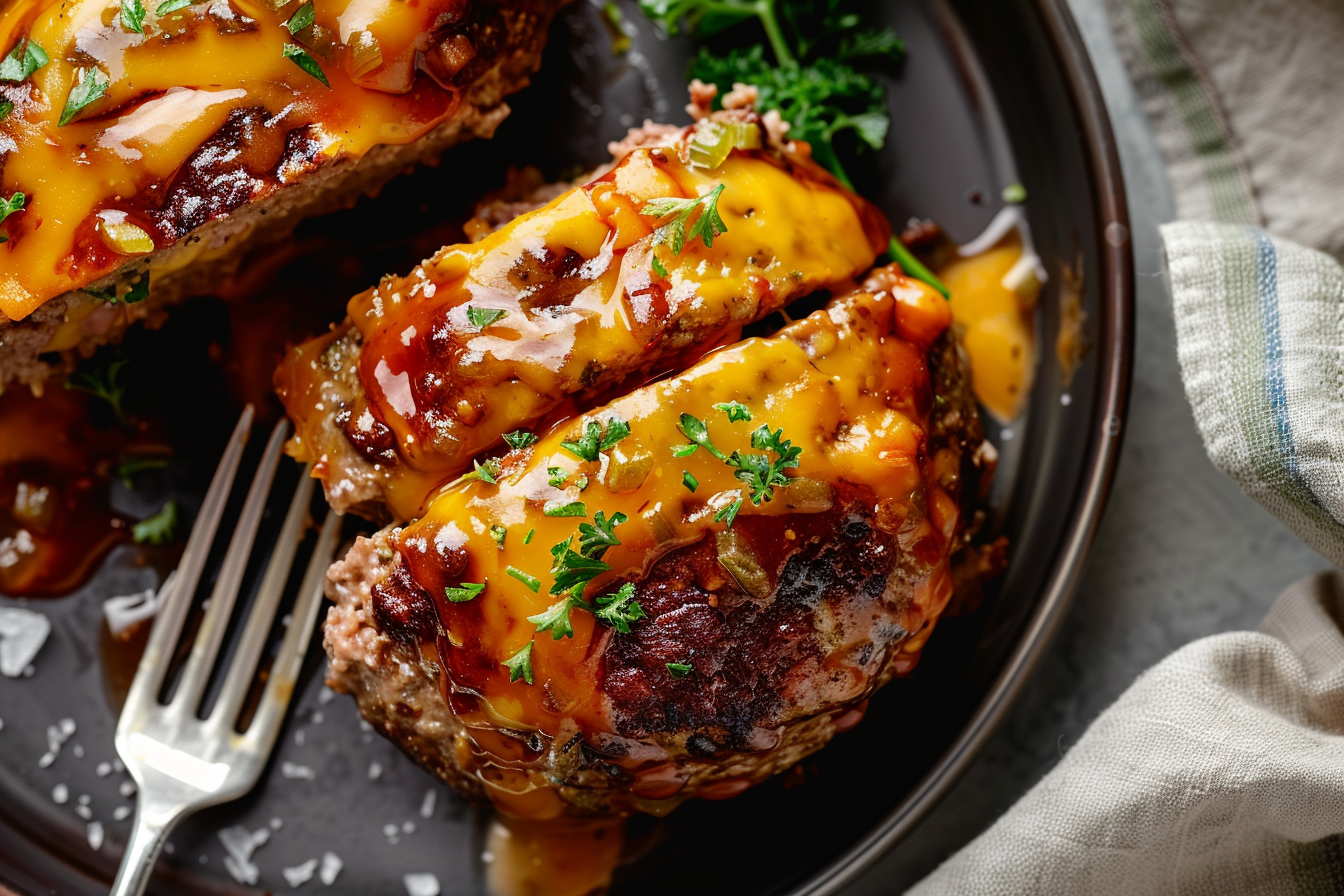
pixel 1106 431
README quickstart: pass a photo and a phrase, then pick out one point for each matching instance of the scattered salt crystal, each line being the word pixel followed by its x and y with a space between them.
pixel 240 844
pixel 389 830
pixel 95 831
pixel 393 841
pixel 67 727
pixel 85 799
pixel 121 813
pixel 300 874
pixel 294 771
pixel 29 670
pixel 126 611
pixel 169 848
pixel 103 769
pixel 325 696
pixel 78 751
pixel 84 812
pixel 276 824
pixel 365 726
pixel 331 866
pixel 60 794
pixel 127 789
pixel 46 760
pixel 375 771
pixel 427 804
pixel 204 858
pixel 298 737
pixel 2 724
pixel 317 718
pixel 408 827
pixel 22 634
pixel 425 884
pixel 118 766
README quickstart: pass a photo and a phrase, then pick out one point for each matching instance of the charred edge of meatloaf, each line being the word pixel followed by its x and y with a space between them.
pixel 395 686
pixel 508 39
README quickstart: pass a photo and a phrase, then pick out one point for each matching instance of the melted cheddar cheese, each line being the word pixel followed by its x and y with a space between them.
pixel 580 295
pixel 192 72
pixel 848 384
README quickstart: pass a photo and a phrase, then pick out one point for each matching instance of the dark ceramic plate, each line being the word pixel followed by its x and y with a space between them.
pixel 993 92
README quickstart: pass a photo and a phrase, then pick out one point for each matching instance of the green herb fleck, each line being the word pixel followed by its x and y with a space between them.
pixel 303 18
pixel 707 225
pixel 532 582
pixel 133 16
pixel 520 664
pixel 6 107
pixel 556 619
pixel 90 86
pixel 556 476
pixel 157 529
pixel 480 318
pixel 519 439
pixel 689 481
pixel 485 472
pixel 168 6
pixel 581 481
pixel 498 533
pixel 560 508
pixel 26 57
pixel 104 383
pixel 658 267
pixel 727 514
pixel 736 411
pixel 1014 194
pixel 10 206
pixel 464 592
pixel 619 608
pixel 573 571
pixel 299 56
pixel 132 465
pixel 527 539
pixel 678 671
pixel 139 290
pixel 596 438
pixel 600 534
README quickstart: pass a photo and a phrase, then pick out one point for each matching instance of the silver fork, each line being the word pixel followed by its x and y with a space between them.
pixel 181 763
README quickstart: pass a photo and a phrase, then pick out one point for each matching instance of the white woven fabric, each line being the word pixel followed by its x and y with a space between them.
pixel 1220 771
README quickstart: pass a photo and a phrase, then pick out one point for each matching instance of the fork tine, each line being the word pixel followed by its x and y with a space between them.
pixel 168 626
pixel 205 648
pixel 238 678
pixel 289 660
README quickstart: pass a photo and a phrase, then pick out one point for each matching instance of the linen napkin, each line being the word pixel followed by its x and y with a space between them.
pixel 1220 771
pixel 1247 103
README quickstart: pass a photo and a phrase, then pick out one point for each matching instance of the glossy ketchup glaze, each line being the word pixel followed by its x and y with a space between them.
pixel 580 296
pixel 202 111
pixel 876 477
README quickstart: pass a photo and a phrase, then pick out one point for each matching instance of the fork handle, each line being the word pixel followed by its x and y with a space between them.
pixel 142 850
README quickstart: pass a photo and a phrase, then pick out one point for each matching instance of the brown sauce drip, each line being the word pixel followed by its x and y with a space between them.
pixel 552 858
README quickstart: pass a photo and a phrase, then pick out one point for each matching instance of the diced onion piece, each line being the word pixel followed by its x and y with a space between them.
pixel 125 239
pixel 807 495
pixel 627 471
pixel 365 54
pixel 663 531
pixel 741 564
pixel 714 140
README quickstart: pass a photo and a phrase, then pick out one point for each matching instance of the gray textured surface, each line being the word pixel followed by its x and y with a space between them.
pixel 1182 553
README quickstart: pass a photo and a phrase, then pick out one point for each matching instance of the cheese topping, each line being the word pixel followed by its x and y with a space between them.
pixel 208 65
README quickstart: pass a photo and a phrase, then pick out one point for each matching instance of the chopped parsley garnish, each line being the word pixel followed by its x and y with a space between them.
pixel 520 664
pixel 498 533
pixel 8 207
pixel 486 472
pixel 689 481
pixel 581 481
pixel 674 232
pixel 301 19
pixel 103 383
pixel 728 514
pixel 619 608
pixel 138 292
pixel 26 57
pixel 658 267
pixel 556 619
pixel 560 508
pixel 157 529
pixel 532 582
pixel 736 411
pixel 600 534
pixel 1014 194
pixel 464 592
pixel 90 86
pixel 596 438
pixel 132 465
pixel 574 571
pixel 480 318
pixel 168 6
pixel 6 107
pixel 816 83
pixel 519 439
pixel 527 539
pixel 299 56
pixel 678 670
pixel 556 476
pixel 762 473
pixel 133 16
